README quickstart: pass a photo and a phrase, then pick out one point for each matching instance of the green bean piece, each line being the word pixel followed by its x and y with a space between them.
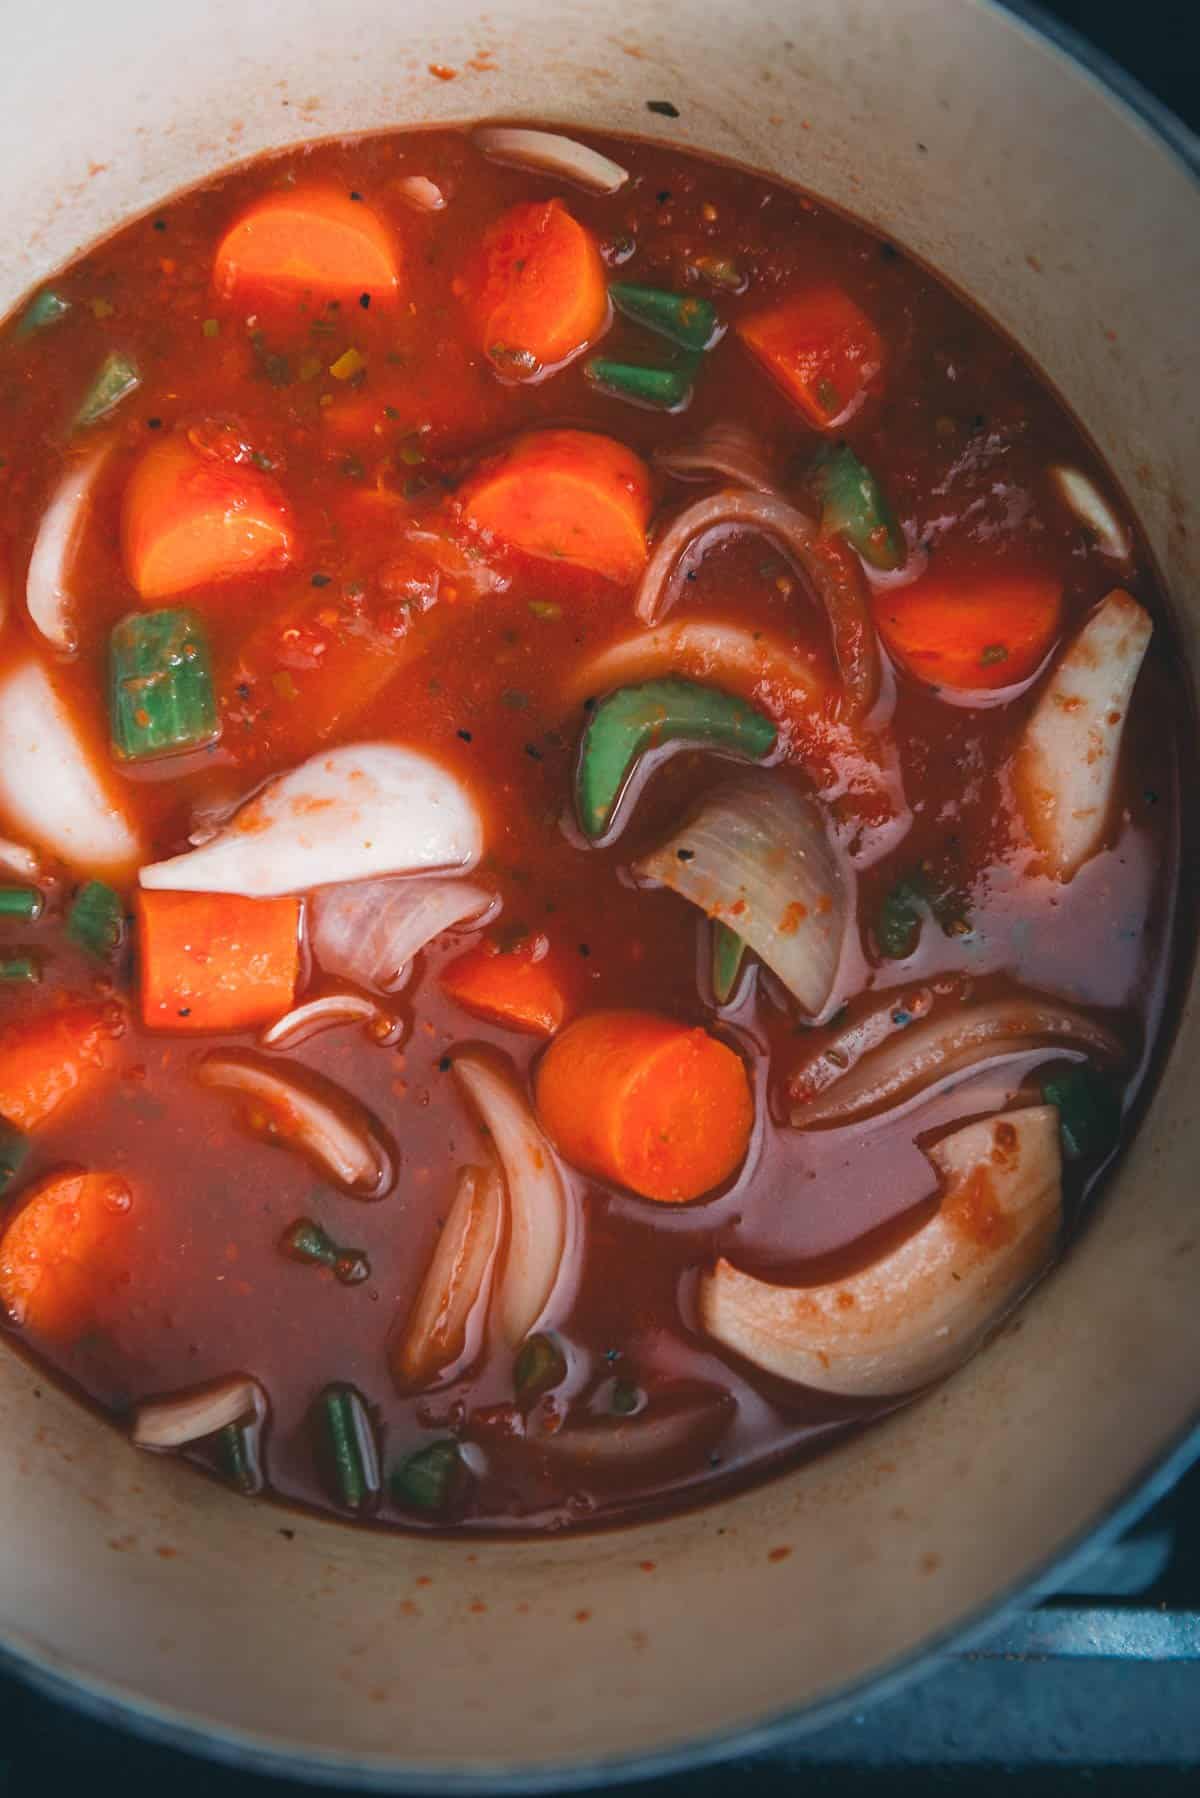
pixel 662 389
pixel 23 970
pixel 96 920
pixel 22 903
pixel 431 1479
pixel 728 956
pixel 44 309
pixel 854 506
pixel 687 319
pixel 305 1240
pixel 14 1149
pixel 116 378
pixel 634 719
pixel 898 928
pixel 625 1398
pixel 1089 1113
pixel 350 1447
pixel 238 1458
pixel 539 1367
pixel 161 698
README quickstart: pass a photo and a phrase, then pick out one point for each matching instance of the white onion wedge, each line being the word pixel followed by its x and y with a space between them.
pixel 444 1330
pixel 670 1426
pixel 48 596
pixel 1065 767
pixel 184 1417
pixel 1081 496
pixel 543 1227
pixel 946 1047
pixel 345 814
pixel 725 451
pixel 49 790
pixel 920 1311
pixel 16 859
pixel 328 1012
pixel 551 154
pixel 422 194
pixel 756 855
pixel 370 930
pixel 307 1112
pixel 839 586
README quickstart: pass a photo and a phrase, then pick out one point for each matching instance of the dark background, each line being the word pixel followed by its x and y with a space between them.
pixel 1060 1729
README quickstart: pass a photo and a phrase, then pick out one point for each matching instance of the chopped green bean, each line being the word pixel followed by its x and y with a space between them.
pixel 22 903
pixel 540 1365
pixel 625 1398
pixel 728 955
pixel 664 389
pixel 22 969
pixel 350 1445
pixel 688 320
pixel 431 1479
pixel 898 930
pixel 14 1147
pixel 44 309
pixel 238 1458
pixel 116 378
pixel 161 696
pixel 854 505
pixel 305 1240
pixel 96 920
pixel 634 719
pixel 1089 1113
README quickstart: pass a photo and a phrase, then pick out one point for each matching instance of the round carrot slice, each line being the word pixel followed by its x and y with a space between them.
pixel 52 1254
pixel 971 633
pixel 535 289
pixel 567 496
pixel 308 239
pixel 646 1102
pixel 191 518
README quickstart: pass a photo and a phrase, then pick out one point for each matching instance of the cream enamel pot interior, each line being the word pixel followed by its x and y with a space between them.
pixel 289 1641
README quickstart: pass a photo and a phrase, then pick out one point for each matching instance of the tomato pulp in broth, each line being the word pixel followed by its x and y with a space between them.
pixel 370 411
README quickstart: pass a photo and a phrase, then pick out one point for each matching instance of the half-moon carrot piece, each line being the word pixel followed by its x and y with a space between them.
pixel 53 1252
pixel 190 518
pixel 646 1102
pixel 566 496
pixel 523 987
pixel 49 1062
pixel 821 348
pixel 535 289
pixel 971 632
pixel 314 239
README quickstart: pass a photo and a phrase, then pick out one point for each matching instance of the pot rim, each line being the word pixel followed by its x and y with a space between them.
pixel 166 1727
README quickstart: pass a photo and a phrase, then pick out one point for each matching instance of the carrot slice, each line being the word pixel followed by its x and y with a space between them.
pixel 52 1254
pixel 523 987
pixel 307 239
pixel 216 961
pixel 821 349
pixel 535 289
pixel 971 632
pixel 647 1103
pixel 48 1063
pixel 191 517
pixel 566 496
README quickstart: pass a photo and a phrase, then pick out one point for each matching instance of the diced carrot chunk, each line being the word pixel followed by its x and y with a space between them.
pixel 53 1253
pixel 646 1102
pixel 535 289
pixel 307 239
pixel 190 518
pixel 216 961
pixel 567 496
pixel 49 1062
pixel 523 987
pixel 822 350
pixel 971 632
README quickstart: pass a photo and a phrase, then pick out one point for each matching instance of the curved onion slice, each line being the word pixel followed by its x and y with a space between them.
pixel 47 593
pixel 725 451
pixel 946 1047
pixel 837 581
pixel 1066 762
pixel 668 1427
pixel 543 1225
pixel 16 859
pixel 308 1112
pixel 921 1310
pixel 421 193
pixel 445 1325
pixel 1081 496
pixel 184 1417
pixel 370 930
pixel 368 808
pixel 551 154
pixel 49 789
pixel 756 855
pixel 325 1013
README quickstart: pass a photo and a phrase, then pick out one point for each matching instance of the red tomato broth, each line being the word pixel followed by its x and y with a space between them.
pixel 960 430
